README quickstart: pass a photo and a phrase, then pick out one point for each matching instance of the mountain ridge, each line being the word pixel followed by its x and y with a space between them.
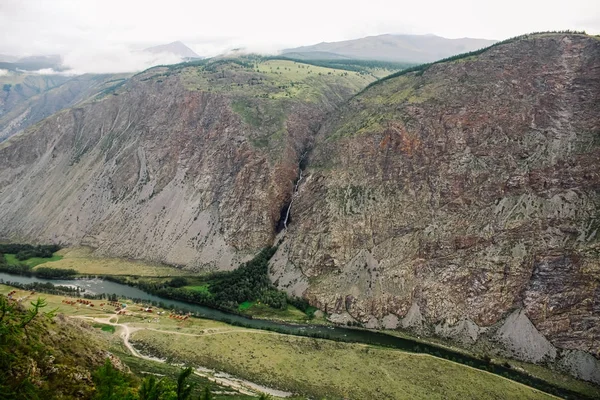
pixel 178 48
pixel 396 47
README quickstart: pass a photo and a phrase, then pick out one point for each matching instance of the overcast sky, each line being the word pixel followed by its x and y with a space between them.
pixel 99 35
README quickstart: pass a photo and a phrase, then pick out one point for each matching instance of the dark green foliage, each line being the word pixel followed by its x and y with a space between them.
pixel 6 87
pixel 184 391
pixel 274 298
pixel 250 282
pixel 111 384
pixel 151 389
pixel 54 273
pixel 41 272
pixel 29 251
pixel 177 282
pixel 206 395
pixel 247 283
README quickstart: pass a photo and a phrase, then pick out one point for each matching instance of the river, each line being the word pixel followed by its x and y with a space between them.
pixel 98 286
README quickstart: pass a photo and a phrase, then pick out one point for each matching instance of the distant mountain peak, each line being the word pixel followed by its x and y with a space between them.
pixel 177 48
pixel 393 47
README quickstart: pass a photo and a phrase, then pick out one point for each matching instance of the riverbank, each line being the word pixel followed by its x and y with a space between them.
pixel 377 339
pixel 316 368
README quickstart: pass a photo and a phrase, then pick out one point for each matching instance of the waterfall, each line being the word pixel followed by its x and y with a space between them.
pixel 295 190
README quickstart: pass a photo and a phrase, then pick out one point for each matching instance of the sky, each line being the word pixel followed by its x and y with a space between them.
pixel 106 35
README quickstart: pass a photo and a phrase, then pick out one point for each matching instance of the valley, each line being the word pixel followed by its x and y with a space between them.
pixel 296 364
pixel 150 337
pixel 317 228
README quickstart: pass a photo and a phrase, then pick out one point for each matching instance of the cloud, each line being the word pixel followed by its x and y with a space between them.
pixel 114 59
pixel 3 72
pixel 106 35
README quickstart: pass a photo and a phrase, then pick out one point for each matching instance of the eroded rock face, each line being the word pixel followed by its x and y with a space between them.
pixel 160 171
pixel 463 193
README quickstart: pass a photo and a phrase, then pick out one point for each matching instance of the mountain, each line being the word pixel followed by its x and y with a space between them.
pixel 31 63
pixel 159 168
pixel 404 48
pixel 459 199
pixel 462 199
pixel 26 99
pixel 177 48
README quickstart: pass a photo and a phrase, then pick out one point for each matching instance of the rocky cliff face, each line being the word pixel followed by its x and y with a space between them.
pixel 189 165
pixel 450 199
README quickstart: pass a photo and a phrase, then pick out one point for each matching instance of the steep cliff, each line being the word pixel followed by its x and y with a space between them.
pixel 189 165
pixel 462 200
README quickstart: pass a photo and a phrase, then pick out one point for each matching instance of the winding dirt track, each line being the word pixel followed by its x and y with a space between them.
pixel 244 387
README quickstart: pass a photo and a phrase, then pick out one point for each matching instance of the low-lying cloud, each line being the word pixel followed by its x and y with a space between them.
pixel 113 60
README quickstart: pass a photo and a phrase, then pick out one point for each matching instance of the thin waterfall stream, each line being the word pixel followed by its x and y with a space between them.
pixel 295 190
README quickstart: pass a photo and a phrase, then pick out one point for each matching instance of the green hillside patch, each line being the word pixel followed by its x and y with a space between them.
pixel 199 288
pixel 11 259
pixel 258 77
pixel 105 327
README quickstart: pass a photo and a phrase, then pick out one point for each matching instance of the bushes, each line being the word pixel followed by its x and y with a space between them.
pixel 42 272
pixel 177 282
pixel 54 273
pixel 247 283
pixel 25 251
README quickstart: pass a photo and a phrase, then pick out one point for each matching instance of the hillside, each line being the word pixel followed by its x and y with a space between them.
pixel 400 48
pixel 28 98
pixel 188 164
pixel 37 363
pixel 31 63
pixel 463 200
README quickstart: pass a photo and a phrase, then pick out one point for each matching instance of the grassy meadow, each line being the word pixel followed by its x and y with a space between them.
pixel 81 260
pixel 326 369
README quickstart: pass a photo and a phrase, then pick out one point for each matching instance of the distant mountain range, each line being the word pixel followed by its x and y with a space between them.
pixel 31 63
pixel 177 48
pixel 404 48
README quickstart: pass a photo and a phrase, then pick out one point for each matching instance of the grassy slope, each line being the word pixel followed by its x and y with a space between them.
pixel 335 370
pixel 32 262
pixel 272 79
pixel 81 260
pixel 557 378
pixel 103 337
